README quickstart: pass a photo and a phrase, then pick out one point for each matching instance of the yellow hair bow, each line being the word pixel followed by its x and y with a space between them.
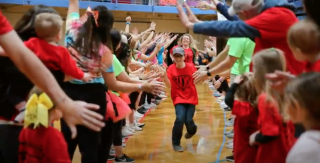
pixel 37 109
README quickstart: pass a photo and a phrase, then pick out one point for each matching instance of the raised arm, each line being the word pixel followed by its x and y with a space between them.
pixel 73 7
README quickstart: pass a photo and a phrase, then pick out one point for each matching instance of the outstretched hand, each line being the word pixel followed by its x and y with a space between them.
pixel 192 18
pixel 80 113
pixel 279 80
pixel 199 77
pixel 184 18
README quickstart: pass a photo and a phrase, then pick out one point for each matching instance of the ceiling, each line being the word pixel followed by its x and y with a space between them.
pixel 119 15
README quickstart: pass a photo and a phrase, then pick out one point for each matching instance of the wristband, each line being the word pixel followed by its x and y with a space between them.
pixel 208 73
pixel 139 86
pixel 153 31
pixel 128 23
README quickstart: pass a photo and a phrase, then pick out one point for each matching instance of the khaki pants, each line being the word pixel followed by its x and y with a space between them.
pixel 232 77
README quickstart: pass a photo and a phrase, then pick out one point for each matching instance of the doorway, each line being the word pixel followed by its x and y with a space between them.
pixel 174 43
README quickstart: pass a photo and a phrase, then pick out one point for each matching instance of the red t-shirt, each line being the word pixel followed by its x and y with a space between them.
pixel 54 57
pixel 273 25
pixel 5 26
pixel 183 90
pixel 42 145
pixel 270 123
pixel 245 125
pixel 312 67
pixel 188 54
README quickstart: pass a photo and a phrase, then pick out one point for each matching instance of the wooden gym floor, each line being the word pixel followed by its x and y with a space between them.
pixel 153 144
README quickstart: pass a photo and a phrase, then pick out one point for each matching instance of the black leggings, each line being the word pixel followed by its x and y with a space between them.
pixel 145 95
pixel 90 142
pixel 117 133
pixel 224 85
pixel 9 143
pixel 133 99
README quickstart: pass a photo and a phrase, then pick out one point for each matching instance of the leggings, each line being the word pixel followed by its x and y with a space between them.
pixel 9 143
pixel 145 95
pixel 117 133
pixel 90 142
pixel 133 99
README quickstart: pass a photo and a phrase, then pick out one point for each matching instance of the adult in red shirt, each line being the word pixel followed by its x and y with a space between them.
pixel 184 96
pixel 187 43
pixel 267 23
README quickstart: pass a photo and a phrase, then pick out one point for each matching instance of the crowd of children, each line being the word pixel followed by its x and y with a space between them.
pixel 120 75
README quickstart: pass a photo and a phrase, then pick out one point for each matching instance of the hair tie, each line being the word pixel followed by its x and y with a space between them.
pixel 95 15
pixel 37 110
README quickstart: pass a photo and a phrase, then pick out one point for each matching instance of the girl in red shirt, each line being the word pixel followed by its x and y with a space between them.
pixel 187 42
pixel 272 134
pixel 184 96
pixel 241 97
pixel 39 142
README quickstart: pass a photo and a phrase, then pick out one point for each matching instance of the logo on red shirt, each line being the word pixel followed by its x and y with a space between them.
pixel 182 81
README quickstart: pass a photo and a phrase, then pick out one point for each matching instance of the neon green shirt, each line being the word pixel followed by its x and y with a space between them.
pixel 117 69
pixel 241 48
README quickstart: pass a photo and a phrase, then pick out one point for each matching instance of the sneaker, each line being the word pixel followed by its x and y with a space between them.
pixel 142 110
pixel 216 94
pixel 227 109
pixel 229 146
pixel 135 127
pixel 223 104
pixel 230 159
pixel 162 95
pixel 228 132
pixel 139 124
pixel 230 141
pixel 178 148
pixel 111 158
pixel 123 159
pixel 126 132
pixel 230 136
pixel 221 98
pixel 137 114
pixel 130 129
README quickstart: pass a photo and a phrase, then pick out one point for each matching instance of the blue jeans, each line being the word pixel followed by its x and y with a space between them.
pixel 184 115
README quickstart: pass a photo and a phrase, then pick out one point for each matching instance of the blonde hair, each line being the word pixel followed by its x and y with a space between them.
pixel 193 43
pixel 247 91
pixel 264 62
pixel 48 25
pixel 305 35
pixel 305 91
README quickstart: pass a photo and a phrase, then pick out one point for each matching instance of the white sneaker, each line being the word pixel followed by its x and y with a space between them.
pixel 221 98
pixel 126 132
pixel 137 114
pixel 229 146
pixel 130 129
pixel 230 141
pixel 138 124
pixel 135 127
pixel 163 95
pixel 223 105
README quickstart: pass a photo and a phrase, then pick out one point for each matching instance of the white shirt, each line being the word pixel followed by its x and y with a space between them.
pixel 306 149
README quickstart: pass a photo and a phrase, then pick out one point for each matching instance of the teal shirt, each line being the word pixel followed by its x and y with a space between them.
pixel 241 48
